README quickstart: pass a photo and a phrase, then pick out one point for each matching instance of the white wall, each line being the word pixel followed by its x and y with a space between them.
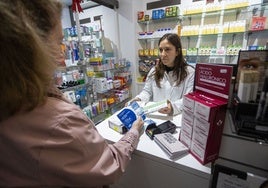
pixel 128 29
pixel 66 20
pixel 108 21
pixel 127 17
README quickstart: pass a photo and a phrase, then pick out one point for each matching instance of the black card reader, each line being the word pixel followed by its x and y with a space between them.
pixel 164 127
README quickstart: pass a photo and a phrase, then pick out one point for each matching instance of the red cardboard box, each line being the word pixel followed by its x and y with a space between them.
pixel 208 104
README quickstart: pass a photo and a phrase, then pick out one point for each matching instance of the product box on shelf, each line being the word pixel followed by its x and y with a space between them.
pixel 140 16
pixel 204 111
pixel 258 23
pixel 158 14
pixel 171 11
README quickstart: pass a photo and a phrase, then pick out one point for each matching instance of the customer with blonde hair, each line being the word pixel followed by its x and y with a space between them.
pixel 46 140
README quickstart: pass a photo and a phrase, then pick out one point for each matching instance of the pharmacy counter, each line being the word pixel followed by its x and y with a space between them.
pixel 151 167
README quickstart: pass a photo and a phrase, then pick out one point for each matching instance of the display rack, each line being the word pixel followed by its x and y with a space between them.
pixel 210 33
pixel 97 81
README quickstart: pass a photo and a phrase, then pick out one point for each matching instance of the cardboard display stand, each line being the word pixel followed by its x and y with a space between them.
pixel 204 111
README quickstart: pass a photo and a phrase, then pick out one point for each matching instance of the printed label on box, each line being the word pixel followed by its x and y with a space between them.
pixel 213 79
pixel 202 125
pixel 185 139
pixel 200 138
pixel 197 151
pixel 130 114
pixel 188 103
pixel 187 128
pixel 188 117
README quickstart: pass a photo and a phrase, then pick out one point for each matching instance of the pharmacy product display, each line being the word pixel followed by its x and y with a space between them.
pixel 204 111
pixel 153 25
pixel 210 33
pixel 96 81
pixel 216 32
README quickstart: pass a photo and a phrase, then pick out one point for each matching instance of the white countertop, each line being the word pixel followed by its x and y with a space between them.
pixel 147 148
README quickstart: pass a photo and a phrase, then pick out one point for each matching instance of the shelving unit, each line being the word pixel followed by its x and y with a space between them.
pixel 106 79
pixel 211 33
pixel 215 34
pixel 219 34
pixel 151 32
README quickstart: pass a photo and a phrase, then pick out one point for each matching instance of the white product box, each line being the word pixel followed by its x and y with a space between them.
pixel 197 150
pixel 101 84
pixel 187 129
pixel 188 117
pixel 188 103
pixel 185 139
pixel 200 138
pixel 115 124
pixel 202 125
pixel 187 124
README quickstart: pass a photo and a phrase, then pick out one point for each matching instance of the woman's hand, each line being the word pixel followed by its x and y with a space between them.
pixel 166 110
pixel 132 100
pixel 138 125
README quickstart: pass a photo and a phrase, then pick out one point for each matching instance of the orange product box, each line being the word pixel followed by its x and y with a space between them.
pixel 141 16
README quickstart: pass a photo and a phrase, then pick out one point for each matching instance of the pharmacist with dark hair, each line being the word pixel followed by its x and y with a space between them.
pixel 171 78
pixel 46 140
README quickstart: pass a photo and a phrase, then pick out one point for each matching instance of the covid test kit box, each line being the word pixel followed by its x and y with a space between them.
pixel 204 111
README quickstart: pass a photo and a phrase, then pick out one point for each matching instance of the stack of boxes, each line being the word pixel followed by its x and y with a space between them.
pixel 204 111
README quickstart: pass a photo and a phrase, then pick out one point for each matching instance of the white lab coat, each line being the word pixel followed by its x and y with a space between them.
pixel 169 90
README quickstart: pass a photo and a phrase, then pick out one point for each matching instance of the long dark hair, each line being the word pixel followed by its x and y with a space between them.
pixel 179 64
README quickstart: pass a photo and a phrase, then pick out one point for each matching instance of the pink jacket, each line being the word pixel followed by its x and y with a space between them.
pixel 57 145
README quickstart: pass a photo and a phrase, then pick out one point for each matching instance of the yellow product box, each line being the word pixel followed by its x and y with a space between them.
pixel 146 52
pixel 140 79
pixel 151 52
pixel 156 53
pixel 184 52
pixel 244 4
pixel 141 52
